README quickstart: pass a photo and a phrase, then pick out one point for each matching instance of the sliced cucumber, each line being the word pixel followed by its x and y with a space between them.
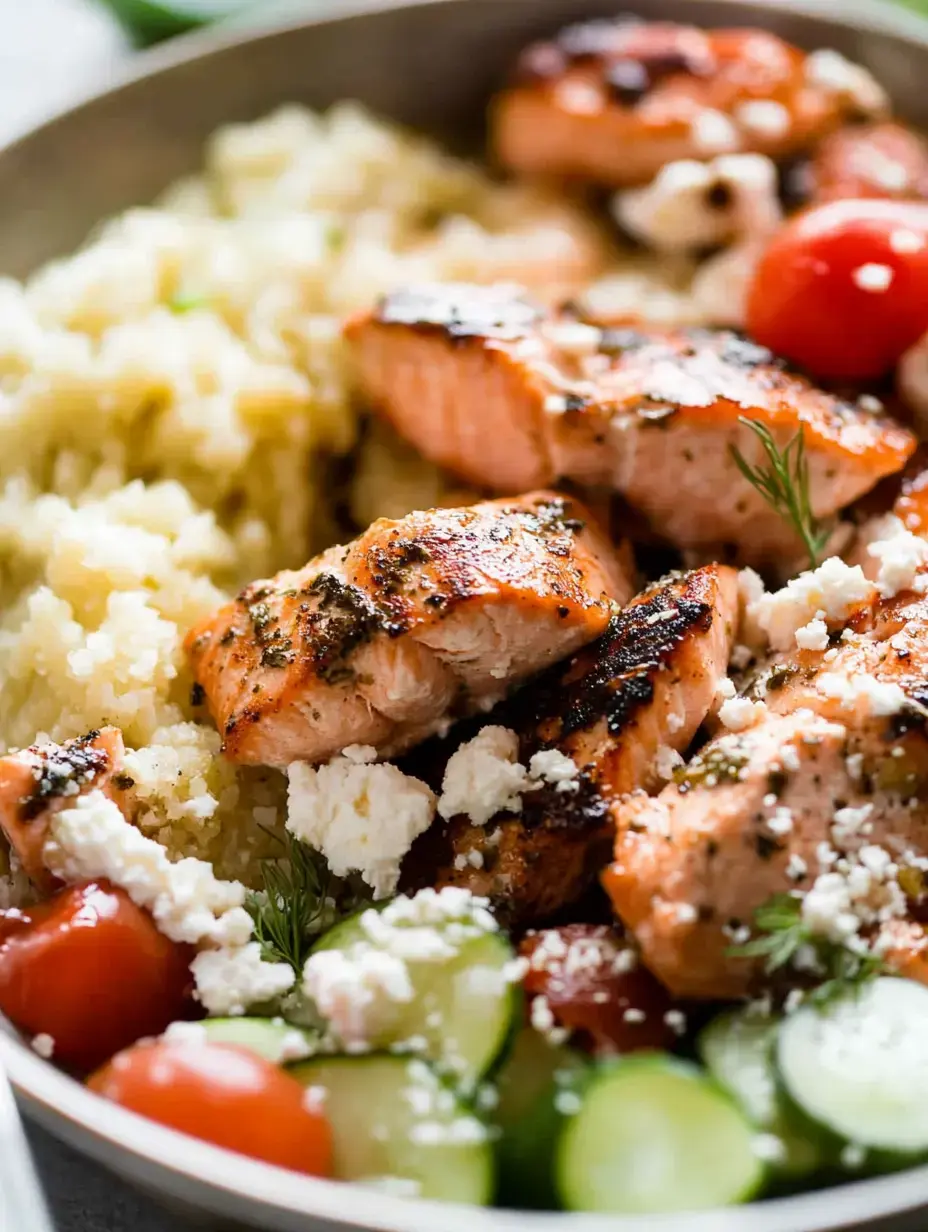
pixel 654 1134
pixel 395 1124
pixel 271 1038
pixel 737 1049
pixel 537 1090
pixel 859 1066
pixel 465 1005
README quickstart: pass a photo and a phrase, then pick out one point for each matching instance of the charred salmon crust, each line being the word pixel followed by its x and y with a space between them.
pixel 416 621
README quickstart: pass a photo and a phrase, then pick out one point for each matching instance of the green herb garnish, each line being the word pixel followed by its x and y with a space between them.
pixel 784 485
pixel 295 905
pixel 186 301
pixel 784 932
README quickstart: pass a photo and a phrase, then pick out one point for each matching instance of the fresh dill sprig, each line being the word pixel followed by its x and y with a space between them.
pixel 784 485
pixel 783 932
pixel 295 905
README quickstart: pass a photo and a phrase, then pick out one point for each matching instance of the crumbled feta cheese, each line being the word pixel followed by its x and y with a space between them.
pixel 781 822
pixel 831 593
pixel 862 692
pixel 544 1022
pixel 769 1148
pixel 92 839
pixel 829 70
pixel 676 1020
pixel 740 713
pixel 362 816
pixel 848 823
pixel 873 276
pixel 813 636
pixel 796 867
pixel 686 913
pixel 232 978
pixel 484 777
pixel 556 768
pixel 573 337
pixel 724 689
pixel 43 1044
pixel 901 555
pixel 692 204
pixel 763 117
pixel 666 761
pixel 634 1016
pixel 355 992
pixel 853 1155
pixel 185 1033
pixel 713 132
pixel 675 723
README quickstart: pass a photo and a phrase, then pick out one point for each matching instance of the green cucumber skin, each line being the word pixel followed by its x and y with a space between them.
pixel 263 1036
pixel 808 1148
pixel 479 1157
pixel 347 931
pixel 660 1064
pixel 527 1149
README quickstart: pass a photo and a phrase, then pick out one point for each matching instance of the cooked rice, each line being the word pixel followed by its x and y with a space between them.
pixel 170 400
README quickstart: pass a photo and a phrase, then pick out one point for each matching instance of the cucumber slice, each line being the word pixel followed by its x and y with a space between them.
pixel 271 1038
pixel 395 1124
pixel 536 1085
pixel 654 1134
pixel 465 1006
pixel 859 1066
pixel 737 1049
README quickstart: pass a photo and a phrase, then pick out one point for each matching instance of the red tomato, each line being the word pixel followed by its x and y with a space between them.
pixel 583 971
pixel 843 288
pixel 89 968
pixel 225 1095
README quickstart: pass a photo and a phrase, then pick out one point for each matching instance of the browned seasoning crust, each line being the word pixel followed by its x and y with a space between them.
pixel 644 686
pixel 38 781
pixel 416 621
pixel 507 397
pixel 614 101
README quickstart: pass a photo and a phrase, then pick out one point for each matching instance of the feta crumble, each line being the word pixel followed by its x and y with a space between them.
pixel 484 777
pixel 740 713
pixel 43 1045
pixel 859 691
pixel 363 816
pixel 901 556
pixel 813 636
pixel 829 593
pixel 232 978
pixel 691 204
pixel 666 761
pixel 355 991
pixel 831 71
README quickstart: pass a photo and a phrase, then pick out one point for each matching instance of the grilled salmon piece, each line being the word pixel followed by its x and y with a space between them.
pixel 36 782
pixel 870 160
pixel 620 709
pixel 614 101
pixel 749 818
pixel 495 390
pixel 415 621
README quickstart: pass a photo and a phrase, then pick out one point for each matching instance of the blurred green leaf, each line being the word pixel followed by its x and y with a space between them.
pixel 149 21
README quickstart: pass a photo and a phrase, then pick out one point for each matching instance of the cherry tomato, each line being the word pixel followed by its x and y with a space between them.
pixel 89 968
pixel 842 289
pixel 223 1094
pixel 594 986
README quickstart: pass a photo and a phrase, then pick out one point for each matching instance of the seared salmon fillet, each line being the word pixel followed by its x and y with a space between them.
pixel 497 391
pixel 382 641
pixel 38 781
pixel 614 101
pixel 837 762
pixel 872 161
pixel 622 710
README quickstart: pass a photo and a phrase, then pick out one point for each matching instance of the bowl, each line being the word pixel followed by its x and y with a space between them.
pixel 431 64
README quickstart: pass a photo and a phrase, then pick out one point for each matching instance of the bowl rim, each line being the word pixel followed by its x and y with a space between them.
pixel 50 1095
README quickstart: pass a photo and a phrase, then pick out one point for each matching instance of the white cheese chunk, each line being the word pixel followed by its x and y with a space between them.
pixel 813 636
pixel 691 204
pixel 901 557
pixel 740 713
pixel 829 70
pixel 554 767
pixel 189 903
pixel 484 777
pixel 830 593
pixel 361 815
pixel 232 978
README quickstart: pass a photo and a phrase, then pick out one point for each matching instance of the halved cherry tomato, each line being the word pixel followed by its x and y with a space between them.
pixel 89 968
pixel 842 289
pixel 225 1095
pixel 594 986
